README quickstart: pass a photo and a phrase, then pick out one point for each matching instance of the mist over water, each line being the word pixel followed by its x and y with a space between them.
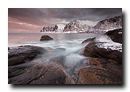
pixel 70 42
pixel 60 40
pixel 63 45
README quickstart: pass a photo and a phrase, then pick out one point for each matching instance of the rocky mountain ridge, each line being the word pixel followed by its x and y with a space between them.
pixel 77 27
pixel 86 26
pixel 50 29
pixel 108 24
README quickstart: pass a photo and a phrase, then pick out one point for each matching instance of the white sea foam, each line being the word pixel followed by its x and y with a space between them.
pixel 72 59
pixel 68 44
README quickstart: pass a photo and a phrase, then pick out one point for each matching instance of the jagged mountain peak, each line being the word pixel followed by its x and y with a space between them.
pixel 87 26
pixel 86 22
pixel 77 26
pixel 109 24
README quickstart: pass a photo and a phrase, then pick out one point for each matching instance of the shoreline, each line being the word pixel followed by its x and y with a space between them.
pixel 87 65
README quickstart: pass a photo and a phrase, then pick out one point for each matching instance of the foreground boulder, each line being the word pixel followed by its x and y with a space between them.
pixel 40 70
pixel 115 35
pixel 101 71
pixel 104 47
pixel 105 62
pixel 45 38
pixel 23 54
pixel 40 73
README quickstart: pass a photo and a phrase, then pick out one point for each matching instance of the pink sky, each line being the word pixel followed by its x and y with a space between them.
pixel 34 19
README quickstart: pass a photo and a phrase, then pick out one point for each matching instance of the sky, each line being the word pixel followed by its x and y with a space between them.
pixel 34 19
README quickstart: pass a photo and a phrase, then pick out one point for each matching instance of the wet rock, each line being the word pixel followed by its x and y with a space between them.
pixel 105 64
pixel 42 73
pixel 39 72
pixel 45 38
pixel 101 71
pixel 23 54
pixel 115 35
pixel 88 40
pixel 99 49
pixel 16 70
pixel 109 64
pixel 97 76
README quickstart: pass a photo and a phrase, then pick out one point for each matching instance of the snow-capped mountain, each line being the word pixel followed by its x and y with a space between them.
pixel 86 26
pixel 60 27
pixel 94 27
pixel 79 26
pixel 108 24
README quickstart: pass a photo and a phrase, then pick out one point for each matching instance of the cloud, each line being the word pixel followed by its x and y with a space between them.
pixel 32 19
pixel 16 25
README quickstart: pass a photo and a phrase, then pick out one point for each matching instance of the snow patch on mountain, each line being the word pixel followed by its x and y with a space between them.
pixel 108 24
pixel 87 22
pixel 60 27
pixel 79 26
pixel 86 26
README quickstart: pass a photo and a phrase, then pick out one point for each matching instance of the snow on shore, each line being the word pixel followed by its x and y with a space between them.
pixel 105 42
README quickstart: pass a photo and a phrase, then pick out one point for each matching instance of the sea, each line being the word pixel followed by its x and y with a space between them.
pixel 70 42
pixel 60 40
pixel 63 46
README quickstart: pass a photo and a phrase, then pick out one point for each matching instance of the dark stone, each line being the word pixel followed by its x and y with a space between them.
pixel 88 40
pixel 97 76
pixel 114 35
pixel 23 54
pixel 16 70
pixel 91 50
pixel 41 73
pixel 105 65
pixel 109 64
pixel 101 71
pixel 45 37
